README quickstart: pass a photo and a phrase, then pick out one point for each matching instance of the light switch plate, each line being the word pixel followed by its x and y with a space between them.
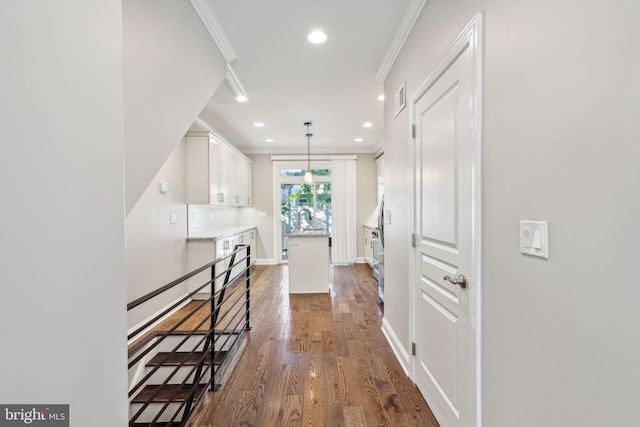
pixel 534 238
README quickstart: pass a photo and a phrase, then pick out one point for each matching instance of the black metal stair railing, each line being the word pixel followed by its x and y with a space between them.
pixel 171 403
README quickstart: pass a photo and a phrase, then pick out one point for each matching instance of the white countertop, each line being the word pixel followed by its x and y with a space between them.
pixel 222 233
pixel 313 233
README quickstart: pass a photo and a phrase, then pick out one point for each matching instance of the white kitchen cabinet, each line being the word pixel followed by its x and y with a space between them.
pixel 239 181
pixel 368 244
pixel 249 238
pixel 308 263
pixel 217 174
pixel 203 250
pixel 244 182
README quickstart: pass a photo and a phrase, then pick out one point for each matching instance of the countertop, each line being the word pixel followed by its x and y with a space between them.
pixel 314 233
pixel 222 233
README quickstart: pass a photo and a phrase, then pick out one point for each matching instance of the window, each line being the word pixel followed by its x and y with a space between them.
pixel 303 205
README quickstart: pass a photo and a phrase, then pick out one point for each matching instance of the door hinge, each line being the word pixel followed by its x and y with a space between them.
pixel 413 240
pixel 413 131
pixel 413 349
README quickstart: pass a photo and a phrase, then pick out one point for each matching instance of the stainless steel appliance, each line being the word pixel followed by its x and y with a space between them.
pixel 378 251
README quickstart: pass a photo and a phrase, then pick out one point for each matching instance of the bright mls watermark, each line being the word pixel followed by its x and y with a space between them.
pixel 34 415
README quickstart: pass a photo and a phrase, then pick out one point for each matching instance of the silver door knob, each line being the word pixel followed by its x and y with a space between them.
pixel 461 280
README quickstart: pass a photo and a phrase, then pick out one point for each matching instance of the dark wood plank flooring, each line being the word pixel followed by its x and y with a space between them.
pixel 315 360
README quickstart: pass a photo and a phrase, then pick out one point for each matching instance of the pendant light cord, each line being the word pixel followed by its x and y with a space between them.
pixel 309 135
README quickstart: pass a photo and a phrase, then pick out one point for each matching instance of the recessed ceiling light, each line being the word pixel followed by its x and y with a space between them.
pixel 269 140
pixel 241 98
pixel 367 124
pixel 358 139
pixel 258 124
pixel 317 37
pixel 381 97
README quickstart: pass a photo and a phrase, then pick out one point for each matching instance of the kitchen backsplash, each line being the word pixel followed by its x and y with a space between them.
pixel 202 219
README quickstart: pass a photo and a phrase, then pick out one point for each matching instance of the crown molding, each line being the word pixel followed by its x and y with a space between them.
pixel 288 157
pixel 233 81
pixel 208 129
pixel 322 152
pixel 210 20
pixel 410 18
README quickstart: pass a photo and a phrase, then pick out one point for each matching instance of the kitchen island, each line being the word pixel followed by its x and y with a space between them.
pixel 309 262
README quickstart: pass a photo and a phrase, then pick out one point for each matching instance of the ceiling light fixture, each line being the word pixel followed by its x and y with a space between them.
pixel 269 139
pixel 358 140
pixel 241 98
pixel 367 124
pixel 381 98
pixel 317 37
pixel 308 176
pixel 258 124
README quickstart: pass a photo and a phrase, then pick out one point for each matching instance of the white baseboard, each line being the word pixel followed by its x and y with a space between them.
pixel 398 349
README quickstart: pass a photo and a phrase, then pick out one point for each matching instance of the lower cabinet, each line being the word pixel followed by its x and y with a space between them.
pixel 368 245
pixel 203 251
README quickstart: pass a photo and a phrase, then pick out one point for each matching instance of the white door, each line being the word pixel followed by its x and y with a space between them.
pixel 446 204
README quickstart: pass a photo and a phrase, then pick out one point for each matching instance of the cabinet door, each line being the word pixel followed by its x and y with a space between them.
pixel 198 170
pixel 221 245
pixel 223 174
pixel 242 181
pixel 233 185
pixel 254 247
pixel 249 238
pixel 249 175
pixel 215 196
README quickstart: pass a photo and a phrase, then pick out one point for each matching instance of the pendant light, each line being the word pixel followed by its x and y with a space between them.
pixel 308 176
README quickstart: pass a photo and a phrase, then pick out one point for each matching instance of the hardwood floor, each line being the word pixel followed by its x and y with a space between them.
pixel 315 360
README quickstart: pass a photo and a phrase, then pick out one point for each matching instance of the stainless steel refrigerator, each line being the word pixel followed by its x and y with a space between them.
pixel 378 251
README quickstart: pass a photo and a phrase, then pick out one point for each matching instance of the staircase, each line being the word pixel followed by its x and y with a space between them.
pixel 174 360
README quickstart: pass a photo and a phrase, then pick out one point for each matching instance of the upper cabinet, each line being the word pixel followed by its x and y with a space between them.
pixel 239 181
pixel 217 174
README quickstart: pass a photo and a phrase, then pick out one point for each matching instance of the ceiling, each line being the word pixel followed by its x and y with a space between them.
pixel 289 81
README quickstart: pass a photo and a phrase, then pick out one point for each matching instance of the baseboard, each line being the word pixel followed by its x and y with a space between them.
pixel 265 261
pixel 398 349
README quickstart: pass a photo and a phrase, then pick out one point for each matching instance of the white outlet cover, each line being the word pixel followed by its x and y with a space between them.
pixel 534 238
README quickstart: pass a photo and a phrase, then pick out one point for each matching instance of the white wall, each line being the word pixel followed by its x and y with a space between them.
pixel 62 308
pixel 560 337
pixel 157 249
pixel 172 67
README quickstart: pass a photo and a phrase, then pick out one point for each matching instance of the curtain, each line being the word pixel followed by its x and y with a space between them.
pixel 343 215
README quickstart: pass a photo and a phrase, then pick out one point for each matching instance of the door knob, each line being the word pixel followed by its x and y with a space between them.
pixel 461 280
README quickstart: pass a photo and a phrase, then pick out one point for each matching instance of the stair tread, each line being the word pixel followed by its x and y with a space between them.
pixel 150 336
pixel 189 359
pixel 166 392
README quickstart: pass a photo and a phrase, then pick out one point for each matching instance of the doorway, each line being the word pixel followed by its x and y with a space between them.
pixel 295 196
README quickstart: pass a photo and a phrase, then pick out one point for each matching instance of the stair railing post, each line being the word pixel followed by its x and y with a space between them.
pixel 212 321
pixel 248 284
